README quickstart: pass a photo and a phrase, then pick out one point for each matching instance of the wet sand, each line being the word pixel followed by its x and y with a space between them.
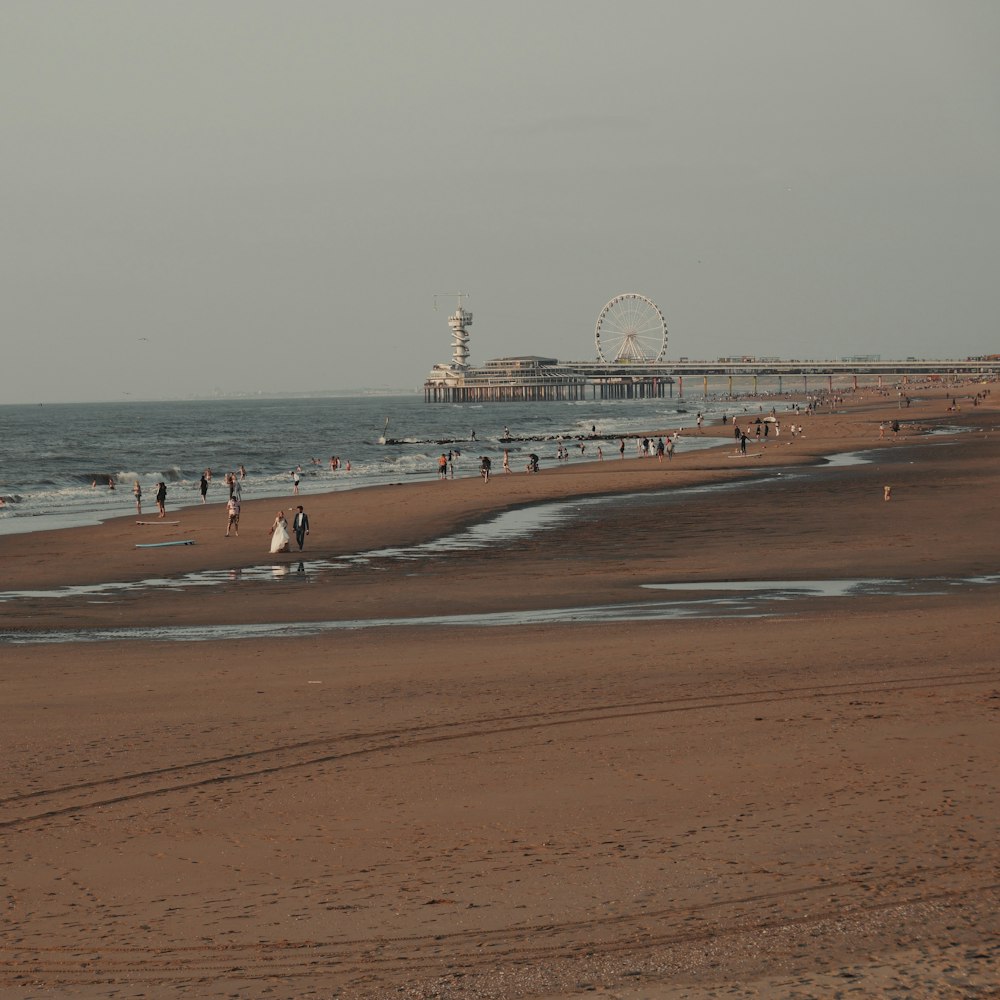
pixel 796 805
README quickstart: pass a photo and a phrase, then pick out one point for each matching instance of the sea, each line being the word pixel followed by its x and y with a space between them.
pixel 58 462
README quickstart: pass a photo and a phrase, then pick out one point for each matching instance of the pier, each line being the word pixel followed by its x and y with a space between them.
pixel 631 374
pixel 534 379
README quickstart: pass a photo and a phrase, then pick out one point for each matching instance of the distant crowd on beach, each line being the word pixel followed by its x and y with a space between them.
pixel 757 429
pixel 233 480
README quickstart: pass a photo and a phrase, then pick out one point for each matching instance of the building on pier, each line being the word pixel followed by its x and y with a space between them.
pixel 531 378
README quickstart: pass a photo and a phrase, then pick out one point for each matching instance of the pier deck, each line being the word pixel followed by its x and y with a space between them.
pixel 541 379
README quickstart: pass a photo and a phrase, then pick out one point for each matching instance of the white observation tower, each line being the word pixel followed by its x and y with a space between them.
pixel 459 321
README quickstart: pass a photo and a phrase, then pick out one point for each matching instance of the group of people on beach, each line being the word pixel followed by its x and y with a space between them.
pixel 448 460
pixel 447 463
pixel 279 531
pixel 280 539
pixel 648 448
pixel 161 497
pixel 233 480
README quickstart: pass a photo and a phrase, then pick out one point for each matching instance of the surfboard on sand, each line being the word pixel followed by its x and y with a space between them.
pixel 157 522
pixel 160 545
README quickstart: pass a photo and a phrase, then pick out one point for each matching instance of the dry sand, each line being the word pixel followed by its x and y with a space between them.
pixel 796 805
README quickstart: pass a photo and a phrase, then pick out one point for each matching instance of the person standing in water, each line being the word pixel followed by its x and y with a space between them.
pixel 137 493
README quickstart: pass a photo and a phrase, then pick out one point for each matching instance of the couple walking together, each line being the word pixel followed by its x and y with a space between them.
pixel 280 541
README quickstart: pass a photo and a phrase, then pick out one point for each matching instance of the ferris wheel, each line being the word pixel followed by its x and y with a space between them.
pixel 630 329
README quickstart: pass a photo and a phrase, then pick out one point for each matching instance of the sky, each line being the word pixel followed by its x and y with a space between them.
pixel 237 196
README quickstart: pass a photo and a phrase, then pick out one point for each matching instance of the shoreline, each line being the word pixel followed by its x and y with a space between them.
pixel 637 810
pixel 465 501
pixel 96 506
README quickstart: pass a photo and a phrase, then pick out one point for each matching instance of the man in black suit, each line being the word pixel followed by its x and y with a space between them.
pixel 301 526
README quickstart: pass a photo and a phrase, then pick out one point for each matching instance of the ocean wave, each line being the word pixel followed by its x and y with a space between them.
pixel 87 478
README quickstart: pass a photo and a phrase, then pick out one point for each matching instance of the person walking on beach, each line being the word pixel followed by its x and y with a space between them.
pixel 279 534
pixel 301 526
pixel 506 462
pixel 233 510
pixel 204 488
pixel 295 482
pixel 484 467
pixel 443 466
pixel 137 493
pixel 621 447
pixel 161 498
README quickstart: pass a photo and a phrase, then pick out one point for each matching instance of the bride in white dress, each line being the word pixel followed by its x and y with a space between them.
pixel 279 533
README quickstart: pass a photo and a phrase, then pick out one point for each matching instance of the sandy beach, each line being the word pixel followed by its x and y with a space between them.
pixel 791 795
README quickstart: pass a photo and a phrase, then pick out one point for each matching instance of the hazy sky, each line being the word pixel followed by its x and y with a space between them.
pixel 240 195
